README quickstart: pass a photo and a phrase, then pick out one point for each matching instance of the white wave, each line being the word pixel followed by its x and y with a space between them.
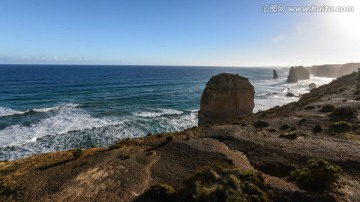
pixel 56 108
pixel 62 122
pixel 157 113
pixel 9 112
pixel 182 122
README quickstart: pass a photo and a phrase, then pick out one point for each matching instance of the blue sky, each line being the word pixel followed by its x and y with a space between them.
pixel 176 32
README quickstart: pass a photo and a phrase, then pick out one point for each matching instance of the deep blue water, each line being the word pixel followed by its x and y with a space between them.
pixel 52 107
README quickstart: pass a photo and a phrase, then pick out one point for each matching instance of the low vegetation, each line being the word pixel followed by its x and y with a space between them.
pixel 214 184
pixel 317 175
pixel 77 153
pixel 327 108
pixel 302 120
pixel 341 127
pixel 317 129
pixel 309 107
pixel 291 136
pixel 261 124
pixel 169 138
pixel 159 193
pixel 342 113
pixel 284 127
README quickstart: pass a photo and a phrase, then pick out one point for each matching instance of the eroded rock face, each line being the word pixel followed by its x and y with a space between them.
pixel 298 73
pixel 275 75
pixel 226 97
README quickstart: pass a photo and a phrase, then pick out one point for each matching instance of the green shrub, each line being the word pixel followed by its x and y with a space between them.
pixel 77 153
pixel 291 136
pixel 169 138
pixel 342 113
pixel 261 124
pixel 301 121
pixel 124 157
pixel 317 175
pixel 159 193
pixel 284 127
pixel 341 127
pixel 327 108
pixel 317 129
pixel 225 184
pixel 309 107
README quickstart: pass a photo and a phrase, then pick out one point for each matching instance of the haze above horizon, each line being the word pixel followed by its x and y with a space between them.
pixel 192 33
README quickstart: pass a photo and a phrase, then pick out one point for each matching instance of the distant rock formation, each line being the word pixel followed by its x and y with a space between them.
pixel 292 78
pixel 334 70
pixel 275 75
pixel 225 97
pixel 312 86
pixel 298 73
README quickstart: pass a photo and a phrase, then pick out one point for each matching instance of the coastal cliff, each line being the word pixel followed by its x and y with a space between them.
pixel 334 70
pixel 266 146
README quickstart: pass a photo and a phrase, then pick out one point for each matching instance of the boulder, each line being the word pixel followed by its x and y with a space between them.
pixel 298 73
pixel 275 75
pixel 225 97
pixel 290 95
pixel 312 86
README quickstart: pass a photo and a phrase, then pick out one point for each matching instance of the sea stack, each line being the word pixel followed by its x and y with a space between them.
pixel 226 97
pixel 275 75
pixel 292 76
pixel 298 73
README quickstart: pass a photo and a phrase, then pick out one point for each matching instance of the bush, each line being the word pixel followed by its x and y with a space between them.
pixel 225 184
pixel 342 113
pixel 309 107
pixel 77 153
pixel 317 129
pixel 169 138
pixel 327 108
pixel 301 121
pixel 317 175
pixel 291 136
pixel 124 157
pixel 341 127
pixel 261 124
pixel 284 127
pixel 160 192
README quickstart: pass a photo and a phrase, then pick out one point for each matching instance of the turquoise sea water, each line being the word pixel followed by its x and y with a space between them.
pixel 52 107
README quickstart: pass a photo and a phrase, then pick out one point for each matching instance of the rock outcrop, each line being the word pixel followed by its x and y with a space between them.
pixel 226 97
pixel 275 75
pixel 312 86
pixel 298 73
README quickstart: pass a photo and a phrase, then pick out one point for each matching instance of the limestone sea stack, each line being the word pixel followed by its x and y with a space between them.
pixel 225 97
pixel 298 73
pixel 275 75
pixel 292 78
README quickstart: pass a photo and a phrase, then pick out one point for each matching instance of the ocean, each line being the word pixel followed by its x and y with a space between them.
pixel 46 108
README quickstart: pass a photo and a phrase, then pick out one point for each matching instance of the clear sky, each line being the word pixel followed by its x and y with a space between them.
pixel 177 32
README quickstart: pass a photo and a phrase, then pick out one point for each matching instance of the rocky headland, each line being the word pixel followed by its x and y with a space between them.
pixel 252 158
pixel 334 70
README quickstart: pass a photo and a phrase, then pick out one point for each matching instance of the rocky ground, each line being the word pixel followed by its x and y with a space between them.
pixel 126 170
